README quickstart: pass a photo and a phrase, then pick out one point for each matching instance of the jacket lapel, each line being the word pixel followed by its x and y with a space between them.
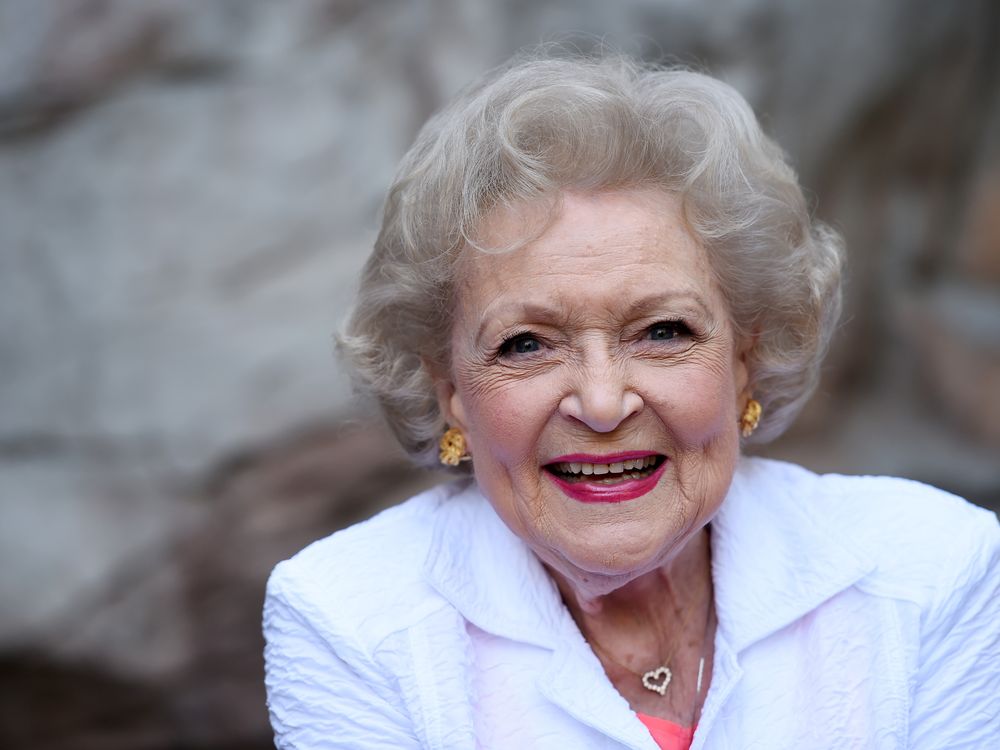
pixel 780 548
pixel 491 577
pixel 488 574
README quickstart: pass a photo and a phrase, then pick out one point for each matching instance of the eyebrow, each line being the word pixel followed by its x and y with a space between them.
pixel 552 314
pixel 529 311
pixel 652 302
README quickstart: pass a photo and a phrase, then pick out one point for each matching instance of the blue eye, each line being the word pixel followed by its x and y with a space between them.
pixel 666 330
pixel 523 343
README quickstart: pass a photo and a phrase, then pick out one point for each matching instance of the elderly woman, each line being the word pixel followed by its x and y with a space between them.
pixel 598 280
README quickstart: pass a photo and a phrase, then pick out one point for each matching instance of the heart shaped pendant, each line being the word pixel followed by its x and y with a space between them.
pixel 657 680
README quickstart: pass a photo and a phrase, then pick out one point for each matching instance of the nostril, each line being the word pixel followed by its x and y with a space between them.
pixel 570 406
pixel 632 404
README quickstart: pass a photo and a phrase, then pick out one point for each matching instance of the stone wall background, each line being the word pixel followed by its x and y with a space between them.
pixel 187 189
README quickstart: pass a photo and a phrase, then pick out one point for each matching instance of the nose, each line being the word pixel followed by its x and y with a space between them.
pixel 602 399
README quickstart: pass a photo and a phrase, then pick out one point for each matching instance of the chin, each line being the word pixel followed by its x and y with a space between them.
pixel 598 573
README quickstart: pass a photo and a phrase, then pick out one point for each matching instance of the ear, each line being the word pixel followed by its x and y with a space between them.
pixel 451 405
pixel 742 358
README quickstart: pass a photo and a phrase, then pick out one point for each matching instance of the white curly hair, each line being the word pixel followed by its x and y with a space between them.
pixel 543 124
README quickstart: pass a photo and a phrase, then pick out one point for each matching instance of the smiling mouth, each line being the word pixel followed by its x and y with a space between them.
pixel 575 472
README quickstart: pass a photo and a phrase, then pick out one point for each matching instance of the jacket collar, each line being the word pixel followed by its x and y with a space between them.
pixel 780 547
pixel 488 574
pixel 497 584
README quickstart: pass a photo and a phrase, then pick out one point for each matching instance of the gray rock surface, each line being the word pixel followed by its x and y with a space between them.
pixel 187 190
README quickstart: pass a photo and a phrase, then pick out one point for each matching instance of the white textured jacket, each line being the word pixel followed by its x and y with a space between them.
pixel 854 612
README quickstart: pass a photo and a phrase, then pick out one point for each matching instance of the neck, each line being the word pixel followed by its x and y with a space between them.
pixel 663 619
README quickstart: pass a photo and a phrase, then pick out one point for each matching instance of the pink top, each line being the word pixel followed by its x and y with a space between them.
pixel 668 736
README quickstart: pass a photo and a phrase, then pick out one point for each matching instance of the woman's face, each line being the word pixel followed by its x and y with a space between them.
pixel 598 382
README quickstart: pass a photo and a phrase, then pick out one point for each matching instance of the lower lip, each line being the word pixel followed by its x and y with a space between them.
pixel 590 492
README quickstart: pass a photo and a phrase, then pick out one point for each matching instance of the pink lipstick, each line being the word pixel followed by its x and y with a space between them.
pixel 569 474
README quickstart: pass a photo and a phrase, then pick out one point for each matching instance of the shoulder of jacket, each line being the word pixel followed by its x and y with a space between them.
pixel 366 582
pixel 927 544
pixel 920 543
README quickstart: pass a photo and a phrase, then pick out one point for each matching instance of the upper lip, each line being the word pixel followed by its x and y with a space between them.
pixel 606 458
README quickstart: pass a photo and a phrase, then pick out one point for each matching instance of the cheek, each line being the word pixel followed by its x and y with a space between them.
pixel 698 405
pixel 505 422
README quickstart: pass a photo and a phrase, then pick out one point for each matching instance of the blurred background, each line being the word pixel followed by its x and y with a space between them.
pixel 187 191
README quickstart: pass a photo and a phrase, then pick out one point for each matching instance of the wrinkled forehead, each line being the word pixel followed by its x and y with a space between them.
pixel 593 248
pixel 607 227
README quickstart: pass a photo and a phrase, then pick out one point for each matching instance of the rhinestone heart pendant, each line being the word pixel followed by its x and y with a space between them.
pixel 657 680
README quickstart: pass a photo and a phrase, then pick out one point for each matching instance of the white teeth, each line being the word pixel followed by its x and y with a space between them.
pixel 618 467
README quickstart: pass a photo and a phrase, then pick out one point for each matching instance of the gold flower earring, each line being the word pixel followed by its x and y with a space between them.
pixel 750 417
pixel 453 450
